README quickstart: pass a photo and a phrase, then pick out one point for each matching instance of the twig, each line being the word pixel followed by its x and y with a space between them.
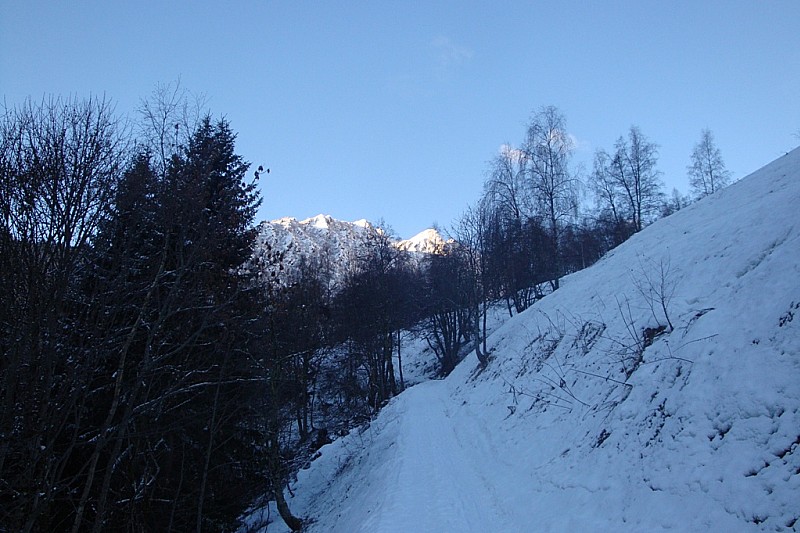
pixel 606 378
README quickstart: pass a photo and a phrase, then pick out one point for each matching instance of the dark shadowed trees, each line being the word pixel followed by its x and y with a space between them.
pixel 449 323
pixel 471 234
pixel 379 298
pixel 134 350
pixel 176 406
pixel 59 161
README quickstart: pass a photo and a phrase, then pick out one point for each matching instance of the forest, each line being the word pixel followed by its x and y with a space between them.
pixel 153 377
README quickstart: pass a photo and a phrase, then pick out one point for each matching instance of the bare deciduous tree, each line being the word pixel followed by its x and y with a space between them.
pixel 506 188
pixel 471 235
pixel 707 173
pixel 548 150
pixel 449 324
pixel 167 119
pixel 630 177
pixel 607 194
pixel 656 282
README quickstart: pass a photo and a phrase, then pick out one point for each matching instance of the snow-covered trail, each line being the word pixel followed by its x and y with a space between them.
pixel 431 465
pixel 444 470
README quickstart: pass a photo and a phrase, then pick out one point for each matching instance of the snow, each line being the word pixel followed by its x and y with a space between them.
pixel 427 241
pixel 576 425
pixel 319 221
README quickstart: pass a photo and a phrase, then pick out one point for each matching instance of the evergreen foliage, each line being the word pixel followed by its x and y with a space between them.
pixel 134 364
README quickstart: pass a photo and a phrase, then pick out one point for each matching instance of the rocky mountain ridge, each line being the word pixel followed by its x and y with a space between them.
pixel 286 246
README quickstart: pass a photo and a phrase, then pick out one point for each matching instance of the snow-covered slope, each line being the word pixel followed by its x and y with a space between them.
pixel 586 419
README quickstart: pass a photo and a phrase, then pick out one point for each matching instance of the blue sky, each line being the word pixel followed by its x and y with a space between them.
pixel 393 109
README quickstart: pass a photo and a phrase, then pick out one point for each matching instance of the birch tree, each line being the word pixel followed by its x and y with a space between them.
pixel 628 182
pixel 548 149
pixel 707 172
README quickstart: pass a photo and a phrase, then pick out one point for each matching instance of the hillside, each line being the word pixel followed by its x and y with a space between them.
pixel 594 414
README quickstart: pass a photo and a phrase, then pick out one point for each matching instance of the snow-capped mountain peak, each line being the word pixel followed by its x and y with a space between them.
pixel 363 222
pixel 319 221
pixel 428 241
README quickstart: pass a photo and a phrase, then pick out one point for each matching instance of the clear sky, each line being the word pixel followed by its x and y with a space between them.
pixel 391 109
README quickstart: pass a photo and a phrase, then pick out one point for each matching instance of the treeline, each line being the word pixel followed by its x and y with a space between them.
pixel 141 389
pixel 540 219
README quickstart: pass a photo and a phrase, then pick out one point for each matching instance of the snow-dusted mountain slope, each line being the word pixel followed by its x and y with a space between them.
pixel 586 418
pixel 332 245
pixel 428 241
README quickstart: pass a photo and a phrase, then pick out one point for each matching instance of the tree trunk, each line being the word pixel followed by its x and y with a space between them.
pixel 476 329
pixel 388 349
pixel 294 523
pixel 483 337
pixel 204 480
pixel 400 364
